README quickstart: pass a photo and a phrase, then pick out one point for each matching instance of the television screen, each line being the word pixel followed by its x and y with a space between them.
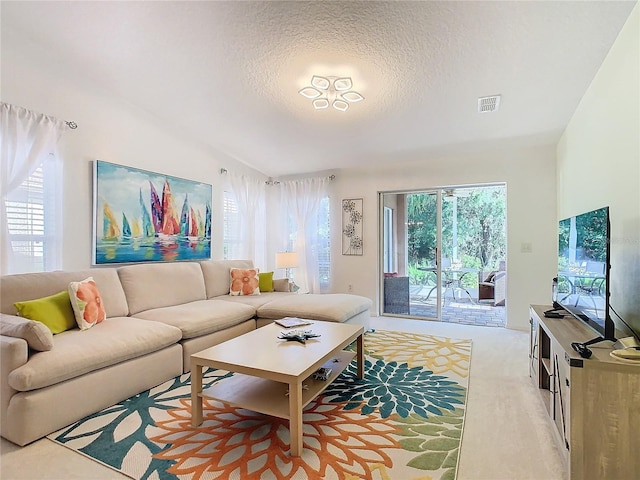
pixel 583 268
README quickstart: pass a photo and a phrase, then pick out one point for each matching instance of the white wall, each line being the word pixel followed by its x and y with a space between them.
pixel 109 129
pixel 599 162
pixel 531 218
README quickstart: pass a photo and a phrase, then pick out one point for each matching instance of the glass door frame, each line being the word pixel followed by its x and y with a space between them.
pixel 383 244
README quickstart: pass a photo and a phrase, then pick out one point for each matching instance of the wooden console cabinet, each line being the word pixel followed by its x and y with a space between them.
pixel 594 403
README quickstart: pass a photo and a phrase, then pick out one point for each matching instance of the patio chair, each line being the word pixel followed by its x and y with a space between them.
pixel 486 285
pixel 396 294
pixel 492 286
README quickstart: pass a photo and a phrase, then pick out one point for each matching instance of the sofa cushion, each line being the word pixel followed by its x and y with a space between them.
pixel 159 285
pixel 201 317
pixel 54 311
pixel 87 303
pixel 333 307
pixel 36 334
pixel 76 352
pixel 244 281
pixel 27 286
pixel 216 274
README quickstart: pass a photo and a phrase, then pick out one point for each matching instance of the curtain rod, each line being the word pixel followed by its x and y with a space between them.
pixel 271 181
pixel 71 124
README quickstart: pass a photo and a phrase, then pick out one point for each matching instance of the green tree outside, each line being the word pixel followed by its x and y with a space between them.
pixel 481 229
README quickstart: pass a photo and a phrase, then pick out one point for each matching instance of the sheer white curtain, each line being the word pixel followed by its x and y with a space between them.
pixel 249 194
pixel 303 198
pixel 28 143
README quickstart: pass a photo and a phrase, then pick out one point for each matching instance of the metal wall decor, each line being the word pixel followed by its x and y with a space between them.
pixel 352 243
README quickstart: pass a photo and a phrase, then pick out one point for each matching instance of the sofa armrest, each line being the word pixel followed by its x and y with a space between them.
pixel 14 352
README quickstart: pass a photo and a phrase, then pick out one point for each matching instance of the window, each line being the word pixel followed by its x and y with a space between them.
pixel 231 219
pixel 322 243
pixel 31 189
pixel 31 221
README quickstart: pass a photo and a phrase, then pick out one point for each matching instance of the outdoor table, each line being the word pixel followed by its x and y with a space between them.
pixel 451 280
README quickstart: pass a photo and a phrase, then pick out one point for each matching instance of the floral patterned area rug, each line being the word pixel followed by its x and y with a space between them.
pixel 403 421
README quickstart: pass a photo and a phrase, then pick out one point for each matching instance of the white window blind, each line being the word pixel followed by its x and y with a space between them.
pixel 30 209
pixel 231 219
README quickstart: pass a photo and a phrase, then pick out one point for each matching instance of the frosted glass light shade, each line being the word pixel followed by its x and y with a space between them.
pixel 320 103
pixel 309 92
pixel 342 84
pixel 352 97
pixel 320 82
pixel 341 105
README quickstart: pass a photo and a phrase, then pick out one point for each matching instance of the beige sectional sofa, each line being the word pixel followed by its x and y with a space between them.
pixel 157 316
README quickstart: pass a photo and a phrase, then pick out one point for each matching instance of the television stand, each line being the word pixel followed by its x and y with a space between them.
pixel 592 403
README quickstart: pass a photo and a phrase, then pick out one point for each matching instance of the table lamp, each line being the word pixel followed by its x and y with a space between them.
pixel 287 260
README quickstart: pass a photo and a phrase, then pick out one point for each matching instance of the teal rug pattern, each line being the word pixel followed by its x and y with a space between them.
pixel 403 420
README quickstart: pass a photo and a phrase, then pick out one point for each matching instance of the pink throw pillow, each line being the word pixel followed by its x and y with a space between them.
pixel 244 281
pixel 87 303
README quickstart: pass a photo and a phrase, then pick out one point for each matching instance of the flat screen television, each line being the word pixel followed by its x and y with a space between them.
pixel 584 269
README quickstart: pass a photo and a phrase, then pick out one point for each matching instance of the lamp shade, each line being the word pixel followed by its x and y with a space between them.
pixel 286 260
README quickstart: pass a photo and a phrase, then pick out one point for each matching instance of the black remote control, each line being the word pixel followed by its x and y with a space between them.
pixel 582 349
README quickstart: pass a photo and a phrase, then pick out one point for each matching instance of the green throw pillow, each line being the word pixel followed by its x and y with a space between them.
pixel 54 311
pixel 265 281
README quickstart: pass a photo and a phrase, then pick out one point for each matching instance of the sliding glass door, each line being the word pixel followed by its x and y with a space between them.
pixel 443 254
pixel 410 281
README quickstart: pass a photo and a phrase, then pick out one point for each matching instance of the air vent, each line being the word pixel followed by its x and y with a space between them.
pixel 488 104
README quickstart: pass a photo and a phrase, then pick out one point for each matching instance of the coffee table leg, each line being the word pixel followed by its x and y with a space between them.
pixel 196 398
pixel 295 418
pixel 361 356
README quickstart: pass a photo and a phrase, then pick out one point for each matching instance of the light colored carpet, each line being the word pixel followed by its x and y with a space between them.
pixel 507 434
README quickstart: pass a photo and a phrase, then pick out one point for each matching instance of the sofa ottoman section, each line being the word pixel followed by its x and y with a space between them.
pixel 331 307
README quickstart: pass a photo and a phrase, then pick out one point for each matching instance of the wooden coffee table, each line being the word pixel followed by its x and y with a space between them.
pixel 266 368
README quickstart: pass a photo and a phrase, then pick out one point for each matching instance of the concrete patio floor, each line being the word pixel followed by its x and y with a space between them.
pixel 464 309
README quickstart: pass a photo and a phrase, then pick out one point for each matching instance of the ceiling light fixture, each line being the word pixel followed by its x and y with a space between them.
pixel 334 91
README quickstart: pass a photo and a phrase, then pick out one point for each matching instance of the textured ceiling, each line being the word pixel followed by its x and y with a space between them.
pixel 229 72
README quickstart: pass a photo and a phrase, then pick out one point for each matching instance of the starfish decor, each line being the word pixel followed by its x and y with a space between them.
pixel 298 335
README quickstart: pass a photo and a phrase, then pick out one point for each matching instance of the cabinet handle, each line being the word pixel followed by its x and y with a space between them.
pixel 566 380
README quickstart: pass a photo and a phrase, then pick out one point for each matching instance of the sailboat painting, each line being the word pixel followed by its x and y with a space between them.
pixel 141 216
